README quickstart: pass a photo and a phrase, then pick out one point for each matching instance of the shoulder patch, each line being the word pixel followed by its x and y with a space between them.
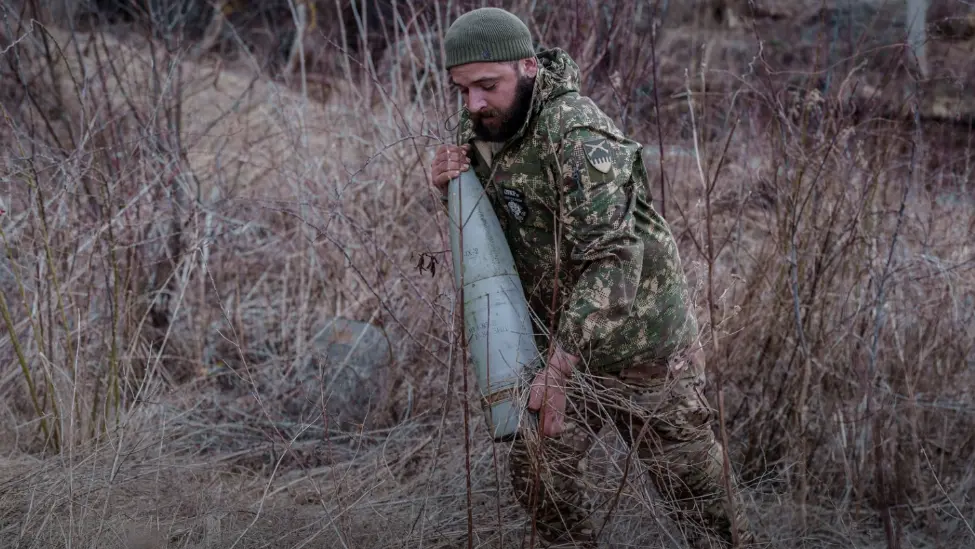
pixel 598 154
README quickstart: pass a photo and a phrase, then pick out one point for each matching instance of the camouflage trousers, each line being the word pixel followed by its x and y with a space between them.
pixel 665 418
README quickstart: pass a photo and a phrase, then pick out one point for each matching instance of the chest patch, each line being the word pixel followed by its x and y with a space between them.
pixel 598 154
pixel 514 200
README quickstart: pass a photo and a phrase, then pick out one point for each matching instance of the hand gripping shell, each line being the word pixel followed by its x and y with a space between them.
pixel 497 324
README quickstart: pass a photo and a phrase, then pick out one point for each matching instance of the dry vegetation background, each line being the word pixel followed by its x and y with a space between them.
pixel 189 190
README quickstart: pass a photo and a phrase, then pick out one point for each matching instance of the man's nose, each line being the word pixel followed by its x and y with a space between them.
pixel 477 102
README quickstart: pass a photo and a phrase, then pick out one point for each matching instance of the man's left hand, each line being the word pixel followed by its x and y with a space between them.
pixel 547 395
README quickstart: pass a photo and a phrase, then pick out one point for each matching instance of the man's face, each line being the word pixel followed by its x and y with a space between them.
pixel 498 95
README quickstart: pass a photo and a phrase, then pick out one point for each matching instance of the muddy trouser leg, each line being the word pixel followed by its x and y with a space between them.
pixel 669 418
pixel 546 475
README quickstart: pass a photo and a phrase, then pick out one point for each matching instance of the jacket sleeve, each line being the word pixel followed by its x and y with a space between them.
pixel 597 219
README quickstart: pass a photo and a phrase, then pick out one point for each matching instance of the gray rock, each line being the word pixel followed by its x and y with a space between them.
pixel 347 369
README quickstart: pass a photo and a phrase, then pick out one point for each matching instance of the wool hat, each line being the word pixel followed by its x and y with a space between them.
pixel 487 35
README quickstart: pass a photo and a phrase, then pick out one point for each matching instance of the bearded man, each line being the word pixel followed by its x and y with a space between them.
pixel 601 269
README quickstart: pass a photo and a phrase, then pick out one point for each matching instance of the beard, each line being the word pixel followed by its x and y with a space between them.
pixel 507 122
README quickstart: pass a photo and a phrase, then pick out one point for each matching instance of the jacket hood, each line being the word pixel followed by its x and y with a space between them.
pixel 558 74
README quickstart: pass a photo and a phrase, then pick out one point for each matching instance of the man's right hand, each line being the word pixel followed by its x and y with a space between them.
pixel 449 161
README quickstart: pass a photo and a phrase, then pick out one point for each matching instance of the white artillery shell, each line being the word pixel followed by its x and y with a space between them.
pixel 497 323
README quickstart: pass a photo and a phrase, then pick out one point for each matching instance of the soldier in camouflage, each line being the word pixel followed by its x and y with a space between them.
pixel 601 270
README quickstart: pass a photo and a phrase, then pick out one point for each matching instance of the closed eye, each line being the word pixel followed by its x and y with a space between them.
pixel 485 84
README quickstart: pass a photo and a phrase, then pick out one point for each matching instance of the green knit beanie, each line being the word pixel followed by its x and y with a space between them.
pixel 487 35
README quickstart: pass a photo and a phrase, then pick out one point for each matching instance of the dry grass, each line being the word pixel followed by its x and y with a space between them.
pixel 176 230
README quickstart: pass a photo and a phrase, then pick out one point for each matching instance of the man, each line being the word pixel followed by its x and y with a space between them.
pixel 601 269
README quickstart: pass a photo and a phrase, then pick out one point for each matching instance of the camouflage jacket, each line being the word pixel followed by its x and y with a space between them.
pixel 571 192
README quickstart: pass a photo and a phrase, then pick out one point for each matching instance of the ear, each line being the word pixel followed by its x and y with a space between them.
pixel 529 66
